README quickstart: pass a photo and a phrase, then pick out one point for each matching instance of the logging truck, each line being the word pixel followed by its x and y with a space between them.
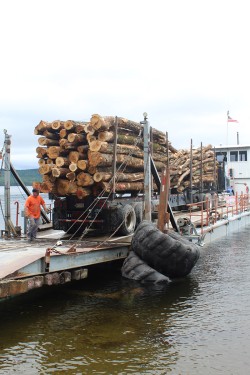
pixel 95 172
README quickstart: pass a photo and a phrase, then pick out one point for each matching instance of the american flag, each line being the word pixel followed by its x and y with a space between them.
pixel 230 119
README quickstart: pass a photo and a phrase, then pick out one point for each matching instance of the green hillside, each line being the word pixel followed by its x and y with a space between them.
pixel 27 175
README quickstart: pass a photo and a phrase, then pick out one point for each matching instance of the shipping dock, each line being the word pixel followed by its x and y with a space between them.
pixel 48 261
pixel 56 258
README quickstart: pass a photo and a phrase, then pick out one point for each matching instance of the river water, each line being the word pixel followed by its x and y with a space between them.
pixel 108 325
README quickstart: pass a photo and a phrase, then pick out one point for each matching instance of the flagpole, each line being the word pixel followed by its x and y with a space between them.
pixel 227 126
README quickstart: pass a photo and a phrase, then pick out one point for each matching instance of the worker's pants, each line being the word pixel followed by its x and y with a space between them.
pixel 32 227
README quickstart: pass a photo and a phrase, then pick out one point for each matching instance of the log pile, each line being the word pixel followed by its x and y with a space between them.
pixel 77 157
pixel 202 163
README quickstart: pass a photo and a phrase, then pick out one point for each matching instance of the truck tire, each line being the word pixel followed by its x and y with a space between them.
pixel 170 254
pixel 138 213
pixel 127 219
pixel 134 268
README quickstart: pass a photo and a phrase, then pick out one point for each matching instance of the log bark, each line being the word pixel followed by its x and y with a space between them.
pixel 63 133
pixel 83 148
pixel 128 177
pixel 65 187
pixel 82 192
pixel 41 152
pixel 123 186
pixel 43 141
pixel 80 128
pixel 84 179
pixel 51 135
pixel 59 172
pixel 47 187
pixel 43 126
pixel 62 161
pixel 121 138
pixel 57 125
pixel 71 176
pixel 73 167
pixel 89 129
pixel 54 151
pixel 46 168
pixel 76 138
pixel 82 164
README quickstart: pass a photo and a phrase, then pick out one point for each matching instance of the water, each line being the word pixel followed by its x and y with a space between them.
pixel 16 195
pixel 108 325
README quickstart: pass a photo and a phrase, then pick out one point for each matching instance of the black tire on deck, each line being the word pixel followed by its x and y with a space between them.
pixel 138 213
pixel 127 219
pixel 170 254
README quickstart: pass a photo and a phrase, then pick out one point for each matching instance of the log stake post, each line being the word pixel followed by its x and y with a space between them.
pixel 147 170
pixel 215 174
pixel 114 159
pixel 191 171
pixel 167 216
pixel 201 174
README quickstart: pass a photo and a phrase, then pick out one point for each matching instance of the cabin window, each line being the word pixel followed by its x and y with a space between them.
pixel 221 156
pixel 242 156
pixel 233 155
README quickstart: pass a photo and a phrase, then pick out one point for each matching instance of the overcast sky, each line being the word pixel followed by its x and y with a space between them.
pixel 186 63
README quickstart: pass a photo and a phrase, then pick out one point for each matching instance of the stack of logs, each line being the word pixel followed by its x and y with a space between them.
pixel 77 157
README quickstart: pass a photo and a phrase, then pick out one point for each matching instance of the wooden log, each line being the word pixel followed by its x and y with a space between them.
pixel 41 162
pixel 48 177
pixel 128 177
pixel 66 145
pixel 101 159
pixel 73 167
pixel 41 127
pixel 83 148
pixel 84 179
pixel 59 172
pixel 123 186
pixel 90 138
pixel 108 148
pixel 57 125
pixel 89 129
pixel 54 151
pixel 92 170
pixel 121 138
pixel 46 168
pixel 62 161
pixel 51 135
pixel 76 138
pixel 82 192
pixel 46 187
pixel 70 125
pixel 73 156
pixel 80 128
pixel 65 187
pixel 43 141
pixel 82 164
pixel 71 176
pixel 41 152
pixel 63 133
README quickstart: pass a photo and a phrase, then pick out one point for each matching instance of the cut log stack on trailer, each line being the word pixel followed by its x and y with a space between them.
pixel 77 157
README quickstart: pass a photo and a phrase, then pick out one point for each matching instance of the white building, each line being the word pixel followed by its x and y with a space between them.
pixel 236 165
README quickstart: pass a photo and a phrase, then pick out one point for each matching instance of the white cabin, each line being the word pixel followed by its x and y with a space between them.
pixel 237 166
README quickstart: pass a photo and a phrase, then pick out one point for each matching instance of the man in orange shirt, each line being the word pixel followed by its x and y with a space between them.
pixel 33 212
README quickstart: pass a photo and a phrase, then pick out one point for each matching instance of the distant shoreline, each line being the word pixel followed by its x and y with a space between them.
pixel 28 176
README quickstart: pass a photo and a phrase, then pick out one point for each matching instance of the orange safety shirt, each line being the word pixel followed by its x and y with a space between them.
pixel 33 206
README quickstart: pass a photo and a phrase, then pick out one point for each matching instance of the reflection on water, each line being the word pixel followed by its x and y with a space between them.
pixel 108 325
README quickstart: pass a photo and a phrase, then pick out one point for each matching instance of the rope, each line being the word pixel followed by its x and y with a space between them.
pixel 94 203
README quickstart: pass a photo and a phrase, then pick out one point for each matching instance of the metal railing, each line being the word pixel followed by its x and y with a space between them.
pixel 211 210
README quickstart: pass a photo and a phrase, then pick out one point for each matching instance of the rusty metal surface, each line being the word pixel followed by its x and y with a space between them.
pixel 17 256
